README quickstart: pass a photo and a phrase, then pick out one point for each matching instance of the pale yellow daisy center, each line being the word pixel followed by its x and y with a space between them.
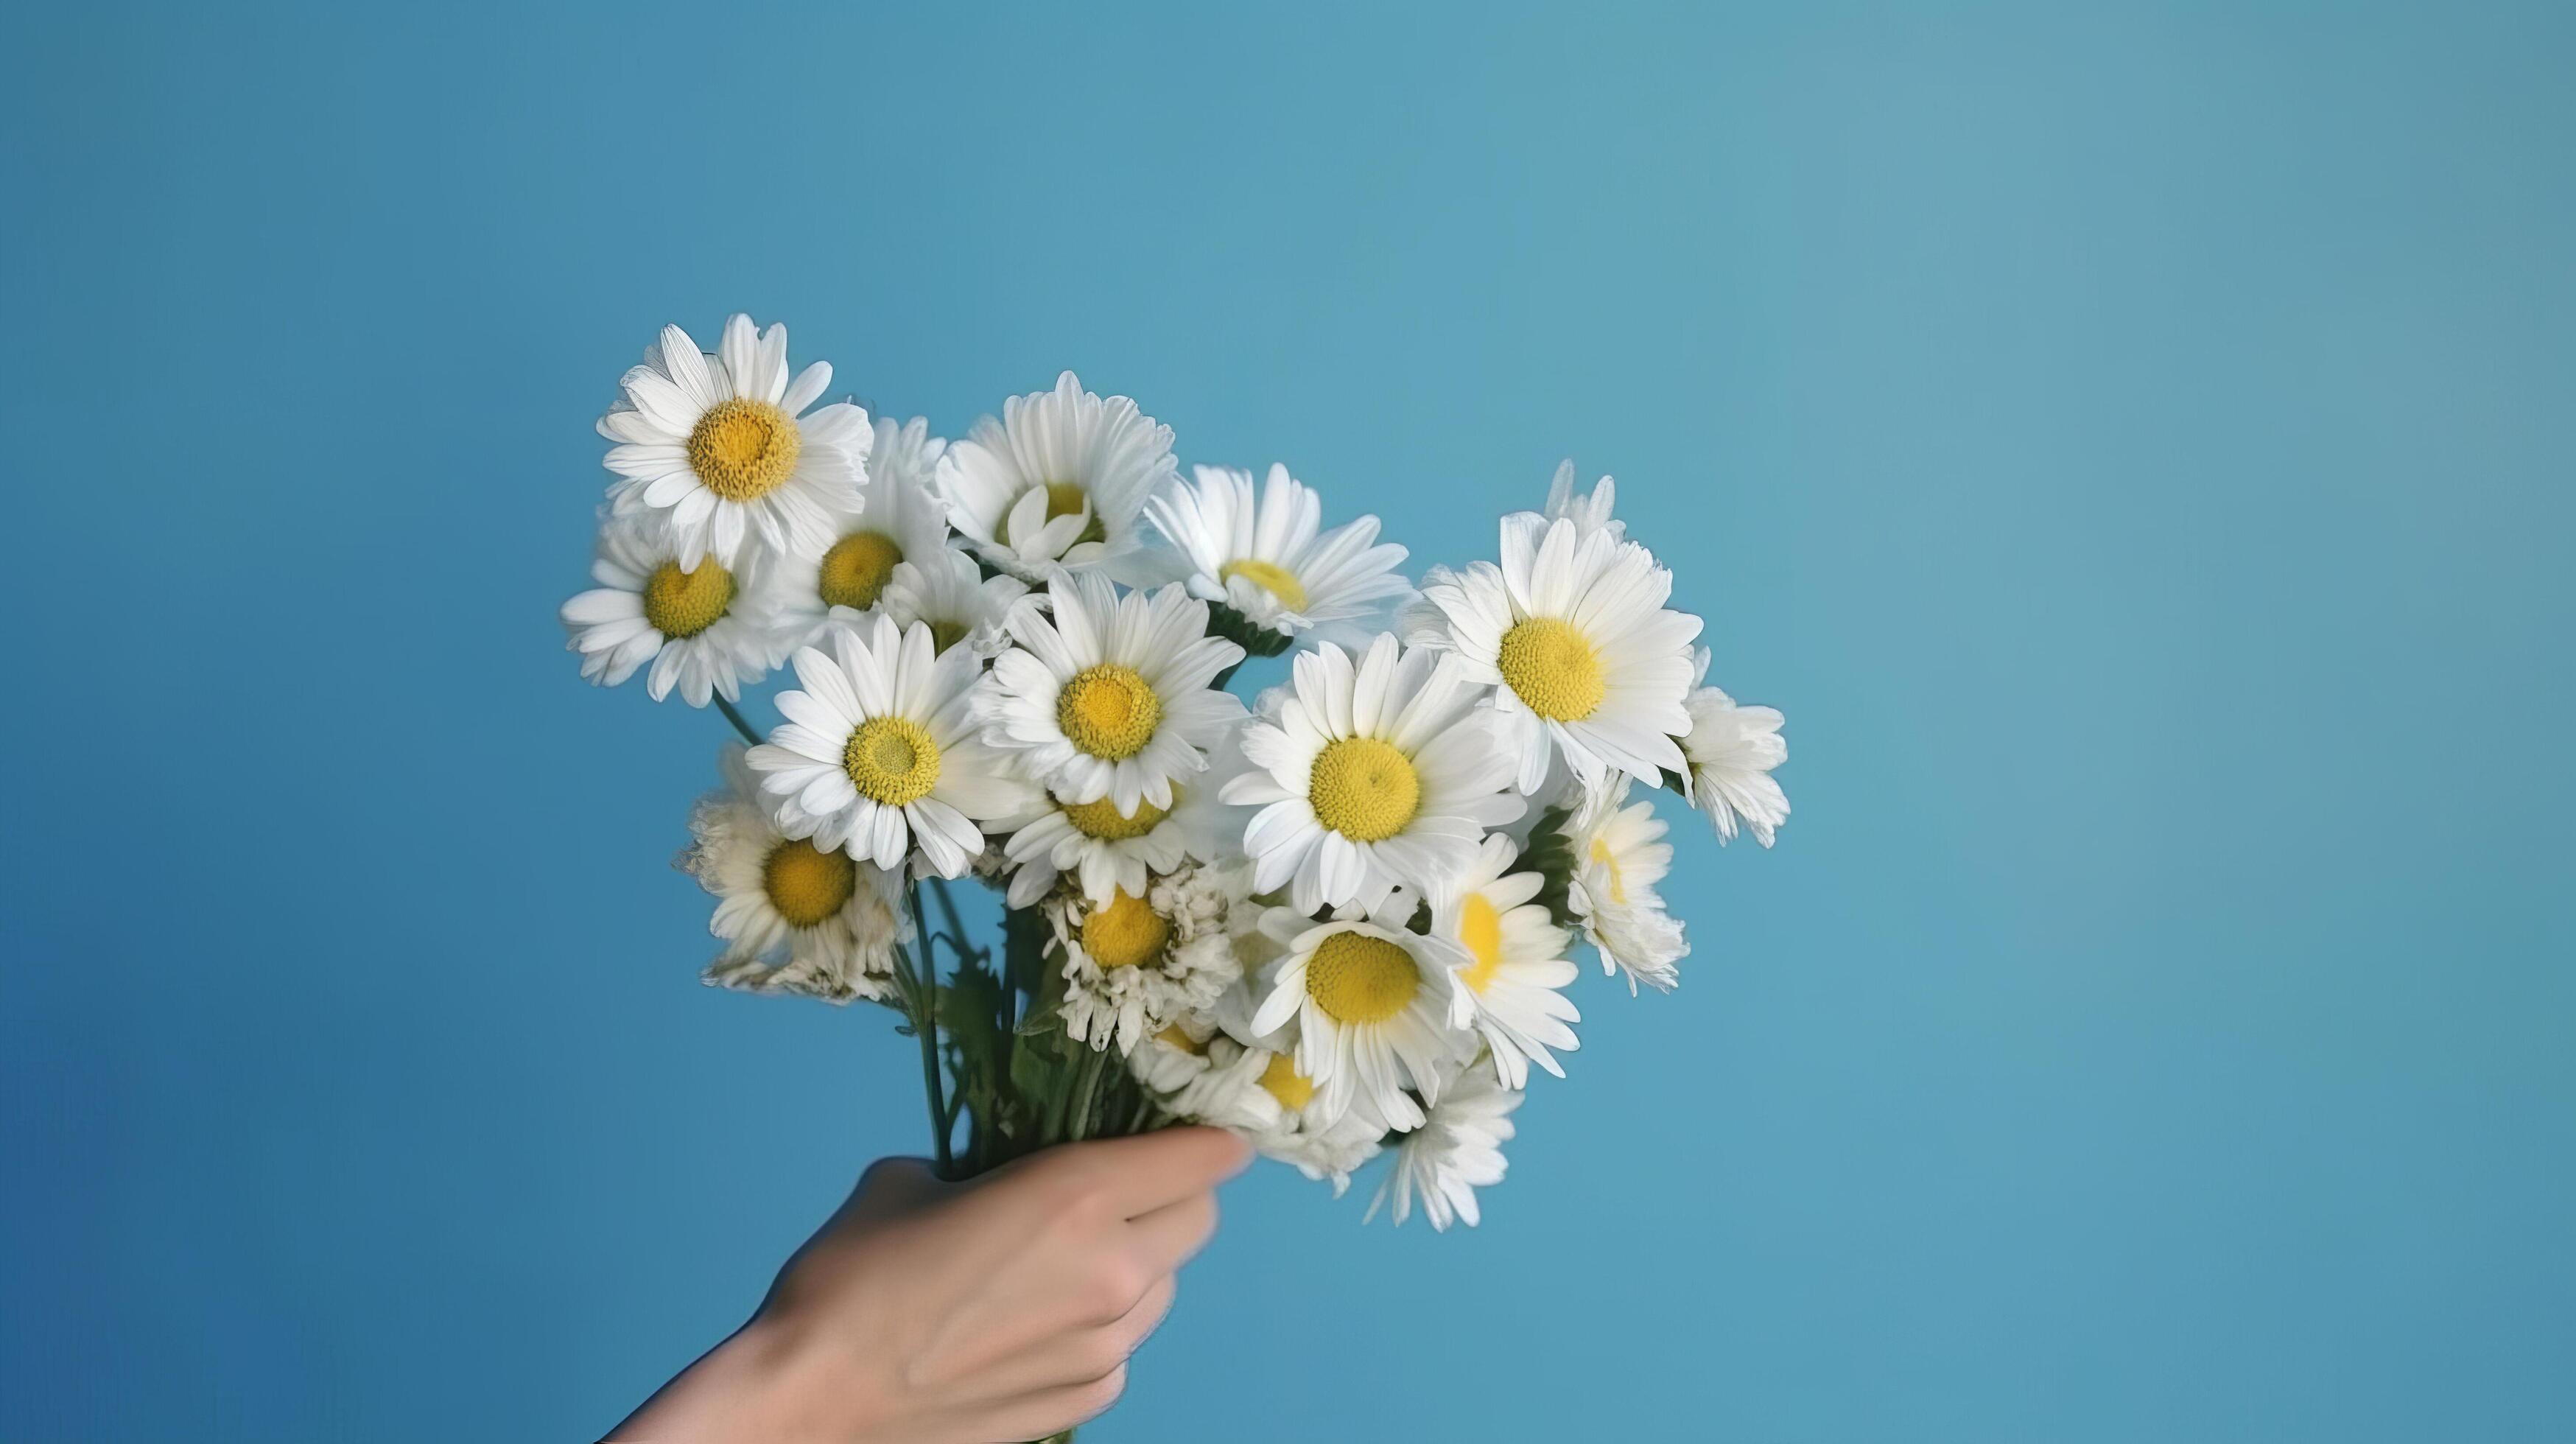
pixel 1363 788
pixel 1480 927
pixel 856 568
pixel 1270 577
pixel 1104 821
pixel 1179 1037
pixel 1124 933
pixel 1281 1080
pixel 743 450
pixel 1553 669
pixel 1359 978
pixel 683 604
pixel 1109 711
pixel 807 884
pixel 891 760
pixel 1602 854
pixel 1067 498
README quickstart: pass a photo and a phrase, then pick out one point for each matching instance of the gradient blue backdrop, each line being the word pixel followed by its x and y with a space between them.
pixel 2134 448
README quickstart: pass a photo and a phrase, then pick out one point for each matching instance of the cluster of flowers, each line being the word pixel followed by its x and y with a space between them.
pixel 1338 921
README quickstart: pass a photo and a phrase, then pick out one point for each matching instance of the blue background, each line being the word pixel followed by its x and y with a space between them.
pixel 2134 448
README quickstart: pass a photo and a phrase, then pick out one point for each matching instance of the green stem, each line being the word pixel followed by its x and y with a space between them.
pixel 1078 1126
pixel 925 965
pixel 733 715
pixel 956 924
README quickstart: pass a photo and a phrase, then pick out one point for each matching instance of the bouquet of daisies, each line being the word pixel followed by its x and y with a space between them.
pixel 1340 920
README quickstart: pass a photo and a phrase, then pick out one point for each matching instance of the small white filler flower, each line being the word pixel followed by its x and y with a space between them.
pixel 794 918
pixel 1136 965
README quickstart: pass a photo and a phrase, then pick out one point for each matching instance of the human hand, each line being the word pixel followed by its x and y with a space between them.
pixel 926 1312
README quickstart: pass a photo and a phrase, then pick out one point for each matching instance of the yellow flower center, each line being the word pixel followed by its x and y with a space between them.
pixel 1363 788
pixel 1067 498
pixel 1282 1081
pixel 892 760
pixel 1357 978
pixel 1179 1037
pixel 945 634
pixel 1103 820
pixel 856 568
pixel 1602 854
pixel 1480 927
pixel 1553 668
pixel 743 449
pixel 1125 933
pixel 1270 577
pixel 1109 711
pixel 807 884
pixel 683 604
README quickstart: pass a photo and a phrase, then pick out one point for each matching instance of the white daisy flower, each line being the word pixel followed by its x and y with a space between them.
pixel 1369 776
pixel 1732 750
pixel 1257 1091
pixel 1055 485
pixel 1225 1089
pixel 1588 513
pixel 706 629
pixel 1108 696
pixel 1514 965
pixel 1136 965
pixel 1456 1152
pixel 894 518
pixel 1618 859
pixel 1269 563
pixel 794 918
pixel 1170 1062
pixel 949 594
pixel 723 447
pixel 1371 1001
pixel 1572 633
pixel 1318 1149
pixel 1106 851
pixel 877 755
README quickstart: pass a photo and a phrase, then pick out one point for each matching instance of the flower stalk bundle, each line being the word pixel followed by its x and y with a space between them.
pixel 1339 918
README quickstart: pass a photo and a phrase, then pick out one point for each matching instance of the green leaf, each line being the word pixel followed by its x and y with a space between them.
pixel 1251 636
pixel 1551 855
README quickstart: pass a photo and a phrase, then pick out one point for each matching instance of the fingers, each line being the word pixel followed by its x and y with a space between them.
pixel 1173 1234
pixel 1130 1332
pixel 1083 1353
pixel 1052 1411
pixel 1141 1174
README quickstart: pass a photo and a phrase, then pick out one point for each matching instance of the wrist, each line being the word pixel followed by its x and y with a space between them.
pixel 763 1383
